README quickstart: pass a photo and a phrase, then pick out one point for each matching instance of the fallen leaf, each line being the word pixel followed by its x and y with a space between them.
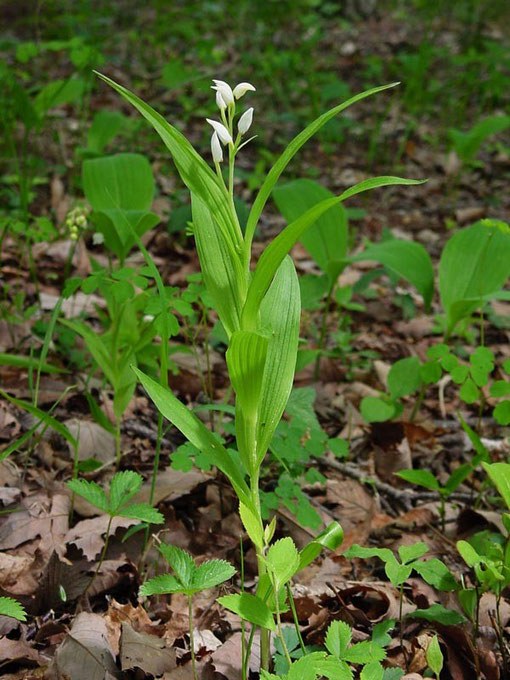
pixel 93 440
pixel 85 653
pixel 88 534
pixel 148 652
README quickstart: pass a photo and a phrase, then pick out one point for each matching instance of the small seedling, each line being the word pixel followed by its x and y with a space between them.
pixel 189 579
pixel 123 487
pixel 12 608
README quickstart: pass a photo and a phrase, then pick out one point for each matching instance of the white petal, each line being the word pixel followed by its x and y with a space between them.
pixel 245 121
pixel 241 89
pixel 216 150
pixel 225 90
pixel 222 131
pixel 220 102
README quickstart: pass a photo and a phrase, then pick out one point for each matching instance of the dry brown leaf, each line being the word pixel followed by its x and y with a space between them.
pixel 15 575
pixel 94 440
pixel 88 534
pixel 148 652
pixel 17 650
pixel 41 516
pixel 85 653
pixel 172 484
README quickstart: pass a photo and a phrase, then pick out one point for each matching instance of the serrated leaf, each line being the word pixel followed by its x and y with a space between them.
pixel 420 478
pixel 364 652
pixel 212 573
pixel 282 561
pixel 91 492
pixel 338 638
pixel 436 573
pixel 161 585
pixel 12 608
pixel 123 487
pixel 143 513
pixel 438 613
pixel 181 562
pixel 249 608
pixel 372 671
pixel 409 553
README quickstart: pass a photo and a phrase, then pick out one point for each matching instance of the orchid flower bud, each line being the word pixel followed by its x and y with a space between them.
pixel 222 131
pixel 225 90
pixel 245 121
pixel 241 89
pixel 216 150
pixel 220 102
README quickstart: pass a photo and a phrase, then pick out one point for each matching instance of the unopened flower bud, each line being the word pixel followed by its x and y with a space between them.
pixel 241 89
pixel 222 131
pixel 245 121
pixel 216 150
pixel 225 90
pixel 220 102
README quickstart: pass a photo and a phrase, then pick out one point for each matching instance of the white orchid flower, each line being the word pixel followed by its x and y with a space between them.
pixel 220 102
pixel 216 150
pixel 222 131
pixel 245 121
pixel 241 89
pixel 225 90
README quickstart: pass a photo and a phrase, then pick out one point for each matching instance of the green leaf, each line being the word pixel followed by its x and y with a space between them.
pixel 43 417
pixel 474 266
pixel 383 554
pixel 436 573
pixel 143 513
pixel 282 561
pixel 409 553
pixel 91 492
pixel 161 585
pixel 364 652
pixel 372 671
pixel 249 608
pixel 499 474
pixel 97 346
pixel 500 388
pixel 280 315
pixel 12 608
pixel 376 410
pixel 252 525
pixel 331 538
pixel 408 259
pixel 502 413
pixel 181 562
pixel 197 433
pixel 28 362
pixel 404 377
pixel 290 151
pixel 212 573
pixel 434 656
pixel 468 553
pixel 420 478
pixel 338 638
pixel 430 372
pixel 469 392
pixel 467 144
pixel 276 251
pixel 438 613
pixel 123 487
pixel 326 239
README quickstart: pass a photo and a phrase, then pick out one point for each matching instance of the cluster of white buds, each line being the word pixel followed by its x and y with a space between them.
pixel 76 221
pixel 226 98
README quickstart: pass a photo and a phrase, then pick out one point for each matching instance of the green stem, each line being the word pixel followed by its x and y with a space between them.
pixel 322 335
pixel 279 624
pixel 295 617
pixel 117 444
pixel 418 402
pixel 102 556
pixel 265 639
pixel 192 637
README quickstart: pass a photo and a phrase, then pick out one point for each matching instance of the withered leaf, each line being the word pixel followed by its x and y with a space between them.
pixel 148 652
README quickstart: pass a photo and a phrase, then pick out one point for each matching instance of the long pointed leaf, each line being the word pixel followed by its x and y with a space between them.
pixel 290 152
pixel 197 433
pixel 275 252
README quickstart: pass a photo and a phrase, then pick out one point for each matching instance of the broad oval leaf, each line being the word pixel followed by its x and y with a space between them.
pixel 249 608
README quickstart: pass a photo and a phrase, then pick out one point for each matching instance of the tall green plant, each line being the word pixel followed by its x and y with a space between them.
pixel 260 310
